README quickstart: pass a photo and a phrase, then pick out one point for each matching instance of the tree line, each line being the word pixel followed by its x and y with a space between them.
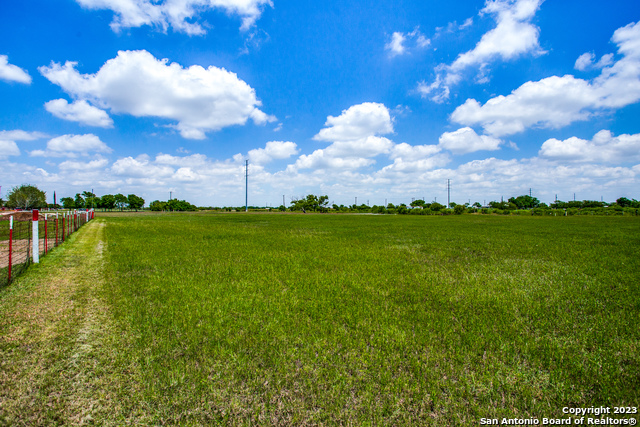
pixel 31 197
pixel 524 204
pixel 88 200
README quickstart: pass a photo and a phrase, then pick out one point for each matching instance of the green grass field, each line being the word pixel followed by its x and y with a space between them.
pixel 272 319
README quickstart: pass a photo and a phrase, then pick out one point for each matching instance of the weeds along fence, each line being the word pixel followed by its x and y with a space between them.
pixel 26 236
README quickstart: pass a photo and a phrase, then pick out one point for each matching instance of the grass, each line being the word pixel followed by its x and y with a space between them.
pixel 273 319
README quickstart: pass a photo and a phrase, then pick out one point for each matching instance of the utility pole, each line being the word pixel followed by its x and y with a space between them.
pixel 448 192
pixel 170 194
pixel 356 201
pixel 246 186
pixel 283 201
pixel 529 192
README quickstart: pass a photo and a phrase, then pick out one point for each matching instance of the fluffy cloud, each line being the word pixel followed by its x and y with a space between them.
pixel 140 167
pixel 513 36
pixel 354 137
pixel 8 148
pixel 358 121
pixel 466 140
pixel 396 46
pixel 12 73
pixel 21 135
pixel 177 14
pixel 8 138
pixel 587 61
pixel 604 147
pixel 137 83
pixel 319 159
pixel 273 150
pixel 558 101
pixel 73 165
pixel 79 111
pixel 413 152
pixel 73 146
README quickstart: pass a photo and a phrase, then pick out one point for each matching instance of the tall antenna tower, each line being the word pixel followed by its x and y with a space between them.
pixel 246 186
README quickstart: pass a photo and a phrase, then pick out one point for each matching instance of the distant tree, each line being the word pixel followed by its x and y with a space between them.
pixel 121 201
pixel 477 205
pixel 592 204
pixel 525 202
pixel 79 201
pixel 436 207
pixel 90 200
pixel 108 201
pixel 157 205
pixel 180 205
pixel 311 203
pixel 623 202
pixel 135 202
pixel 26 197
pixel 452 205
pixel 418 202
pixel 68 203
pixel 459 209
pixel 574 204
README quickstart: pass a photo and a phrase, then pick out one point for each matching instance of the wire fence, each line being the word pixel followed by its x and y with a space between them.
pixel 27 236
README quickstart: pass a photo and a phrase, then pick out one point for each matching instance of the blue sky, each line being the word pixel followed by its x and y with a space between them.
pixel 374 100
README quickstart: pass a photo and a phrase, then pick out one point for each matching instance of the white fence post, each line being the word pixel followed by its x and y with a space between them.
pixel 36 238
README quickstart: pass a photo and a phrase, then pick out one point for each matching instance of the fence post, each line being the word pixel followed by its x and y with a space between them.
pixel 10 245
pixel 45 234
pixel 36 240
pixel 63 217
pixel 56 228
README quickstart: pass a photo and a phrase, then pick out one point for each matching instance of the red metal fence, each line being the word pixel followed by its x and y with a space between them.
pixel 26 236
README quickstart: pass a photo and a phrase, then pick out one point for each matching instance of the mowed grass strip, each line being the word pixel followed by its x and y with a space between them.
pixel 58 345
pixel 246 319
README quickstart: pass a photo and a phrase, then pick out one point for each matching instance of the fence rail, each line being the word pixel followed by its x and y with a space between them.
pixel 26 236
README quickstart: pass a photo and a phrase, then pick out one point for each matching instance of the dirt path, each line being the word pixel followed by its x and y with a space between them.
pixel 58 344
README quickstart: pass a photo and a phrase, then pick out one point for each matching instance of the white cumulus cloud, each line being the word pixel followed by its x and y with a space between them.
pixel 413 152
pixel 358 121
pixel 74 165
pixel 466 140
pixel 136 83
pixel 12 73
pixel 354 137
pixel 8 148
pixel 396 46
pixel 513 36
pixel 21 135
pixel 72 146
pixel 588 60
pixel 79 111
pixel 273 150
pixel 604 147
pixel 555 101
pixel 177 14
pixel 140 167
